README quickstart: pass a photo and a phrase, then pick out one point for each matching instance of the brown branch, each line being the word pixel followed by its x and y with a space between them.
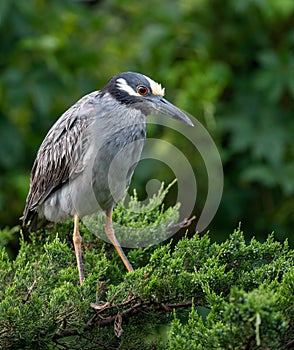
pixel 30 290
pixel 184 223
pixel 289 345
pixel 99 320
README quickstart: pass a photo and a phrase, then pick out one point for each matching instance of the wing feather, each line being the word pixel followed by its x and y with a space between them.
pixel 61 154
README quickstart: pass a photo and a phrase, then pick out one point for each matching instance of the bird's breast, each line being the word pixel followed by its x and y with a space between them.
pixel 114 163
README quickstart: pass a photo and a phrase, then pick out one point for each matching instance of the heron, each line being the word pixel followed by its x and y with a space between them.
pixel 86 161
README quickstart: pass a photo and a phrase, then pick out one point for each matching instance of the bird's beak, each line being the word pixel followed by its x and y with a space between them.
pixel 162 106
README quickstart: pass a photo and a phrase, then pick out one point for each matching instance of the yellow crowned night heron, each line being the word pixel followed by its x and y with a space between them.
pixel 87 159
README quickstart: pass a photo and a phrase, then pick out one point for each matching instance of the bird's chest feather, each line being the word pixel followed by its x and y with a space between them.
pixel 116 155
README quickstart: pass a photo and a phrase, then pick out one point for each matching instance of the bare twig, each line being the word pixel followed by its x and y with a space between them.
pixel 30 290
pixel 102 320
pixel 185 223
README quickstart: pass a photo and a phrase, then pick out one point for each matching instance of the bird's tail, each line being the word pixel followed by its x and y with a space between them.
pixel 31 221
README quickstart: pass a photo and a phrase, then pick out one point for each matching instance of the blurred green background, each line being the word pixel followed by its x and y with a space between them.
pixel 228 63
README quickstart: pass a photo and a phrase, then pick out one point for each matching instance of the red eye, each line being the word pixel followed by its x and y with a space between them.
pixel 142 90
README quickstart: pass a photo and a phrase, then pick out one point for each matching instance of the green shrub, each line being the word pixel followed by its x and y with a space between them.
pixel 191 295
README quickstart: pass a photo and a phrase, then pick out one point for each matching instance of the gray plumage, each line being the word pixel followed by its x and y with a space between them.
pixel 73 161
pixel 87 159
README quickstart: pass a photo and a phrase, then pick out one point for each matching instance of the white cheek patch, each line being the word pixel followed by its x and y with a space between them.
pixel 123 85
pixel 156 88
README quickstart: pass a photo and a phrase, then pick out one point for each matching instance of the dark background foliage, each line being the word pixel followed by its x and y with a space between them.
pixel 230 64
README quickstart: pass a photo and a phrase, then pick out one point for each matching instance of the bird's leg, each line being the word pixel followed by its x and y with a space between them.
pixel 77 241
pixel 111 236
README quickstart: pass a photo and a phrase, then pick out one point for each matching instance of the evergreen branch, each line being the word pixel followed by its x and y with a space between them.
pixel 103 320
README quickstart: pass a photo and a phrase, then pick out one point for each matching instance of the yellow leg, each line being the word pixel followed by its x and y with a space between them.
pixel 77 241
pixel 111 236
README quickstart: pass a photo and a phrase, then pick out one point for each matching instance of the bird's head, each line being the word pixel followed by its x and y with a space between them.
pixel 138 91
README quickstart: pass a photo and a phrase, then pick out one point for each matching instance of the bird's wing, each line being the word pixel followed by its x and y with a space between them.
pixel 61 154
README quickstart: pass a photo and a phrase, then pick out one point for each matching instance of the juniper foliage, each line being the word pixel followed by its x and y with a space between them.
pixel 195 294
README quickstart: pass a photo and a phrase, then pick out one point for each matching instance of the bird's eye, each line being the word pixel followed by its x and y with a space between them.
pixel 142 90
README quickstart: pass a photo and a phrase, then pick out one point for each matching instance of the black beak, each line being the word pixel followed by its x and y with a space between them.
pixel 162 106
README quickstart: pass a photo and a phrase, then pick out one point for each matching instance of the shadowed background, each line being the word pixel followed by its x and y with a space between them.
pixel 231 65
